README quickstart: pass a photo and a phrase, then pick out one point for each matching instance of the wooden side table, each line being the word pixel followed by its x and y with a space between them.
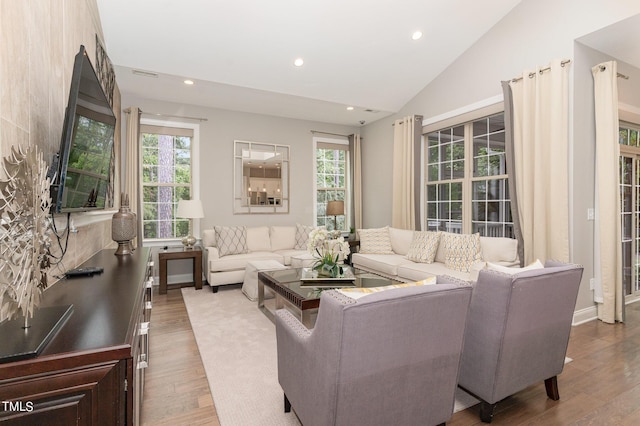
pixel 354 246
pixel 181 253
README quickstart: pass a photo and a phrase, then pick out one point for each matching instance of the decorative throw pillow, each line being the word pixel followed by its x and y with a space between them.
pixel 358 292
pixel 511 271
pixel 462 250
pixel 424 245
pixel 375 241
pixel 231 239
pixel 302 236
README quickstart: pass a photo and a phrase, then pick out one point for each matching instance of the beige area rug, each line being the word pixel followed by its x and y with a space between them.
pixel 237 344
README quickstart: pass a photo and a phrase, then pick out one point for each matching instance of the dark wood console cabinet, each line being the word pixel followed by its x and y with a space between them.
pixel 92 371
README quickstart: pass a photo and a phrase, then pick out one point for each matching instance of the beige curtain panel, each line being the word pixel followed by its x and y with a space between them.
pixel 403 207
pixel 356 161
pixel 541 156
pixel 608 292
pixel 132 175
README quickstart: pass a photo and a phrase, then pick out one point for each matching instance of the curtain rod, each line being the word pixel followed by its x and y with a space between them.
pixel 619 75
pixel 157 114
pixel 327 133
pixel 415 117
pixel 531 74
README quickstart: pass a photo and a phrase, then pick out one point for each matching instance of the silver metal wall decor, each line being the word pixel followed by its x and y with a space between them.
pixel 104 71
pixel 24 232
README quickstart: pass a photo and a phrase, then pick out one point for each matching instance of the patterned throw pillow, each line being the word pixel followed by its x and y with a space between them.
pixel 231 239
pixel 358 292
pixel 375 241
pixel 302 236
pixel 462 250
pixel 424 245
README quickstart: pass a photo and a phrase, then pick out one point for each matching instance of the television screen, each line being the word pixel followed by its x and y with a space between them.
pixel 84 180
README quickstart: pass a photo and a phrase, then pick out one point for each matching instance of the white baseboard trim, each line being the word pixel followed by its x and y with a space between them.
pixel 585 315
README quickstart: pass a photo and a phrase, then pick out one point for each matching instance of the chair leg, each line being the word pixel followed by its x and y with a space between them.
pixel 214 288
pixel 486 411
pixel 287 404
pixel 551 385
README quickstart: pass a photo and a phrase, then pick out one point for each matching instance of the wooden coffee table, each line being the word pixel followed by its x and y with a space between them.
pixel 303 298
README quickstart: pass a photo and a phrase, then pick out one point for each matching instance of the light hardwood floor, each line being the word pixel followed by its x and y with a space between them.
pixel 176 389
pixel 601 386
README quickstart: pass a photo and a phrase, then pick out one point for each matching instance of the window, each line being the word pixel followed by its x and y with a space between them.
pixel 630 208
pixel 332 182
pixel 466 188
pixel 167 176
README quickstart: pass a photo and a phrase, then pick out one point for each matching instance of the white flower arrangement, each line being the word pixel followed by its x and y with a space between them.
pixel 330 253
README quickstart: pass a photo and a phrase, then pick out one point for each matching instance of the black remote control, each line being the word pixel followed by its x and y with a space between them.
pixel 87 271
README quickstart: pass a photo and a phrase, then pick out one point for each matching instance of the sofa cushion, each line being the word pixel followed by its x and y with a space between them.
pixel 282 237
pixel 400 240
pixel 302 236
pixel 385 264
pixel 258 239
pixel 302 260
pixel 423 246
pixel 417 271
pixel 209 238
pixel 288 254
pixel 511 271
pixel 500 250
pixel 235 262
pixel 462 250
pixel 375 241
pixel 231 239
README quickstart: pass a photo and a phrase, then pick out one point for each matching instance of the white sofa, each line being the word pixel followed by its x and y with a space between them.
pixel 262 243
pixel 497 250
pixel 283 244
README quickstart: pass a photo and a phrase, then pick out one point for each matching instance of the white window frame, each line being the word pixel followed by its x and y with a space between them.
pixel 195 175
pixel 349 185
pixel 632 153
pixel 464 116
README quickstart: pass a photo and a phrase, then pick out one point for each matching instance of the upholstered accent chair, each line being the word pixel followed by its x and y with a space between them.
pixel 390 357
pixel 517 332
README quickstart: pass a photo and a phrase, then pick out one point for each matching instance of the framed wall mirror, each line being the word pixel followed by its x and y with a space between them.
pixel 261 178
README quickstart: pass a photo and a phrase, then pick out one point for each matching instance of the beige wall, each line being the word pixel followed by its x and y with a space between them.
pixel 38 43
pixel 533 33
pixel 217 134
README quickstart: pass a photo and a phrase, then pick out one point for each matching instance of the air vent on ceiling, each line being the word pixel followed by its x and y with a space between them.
pixel 372 111
pixel 145 73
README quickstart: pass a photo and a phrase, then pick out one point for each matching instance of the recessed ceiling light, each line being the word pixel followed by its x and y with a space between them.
pixel 417 35
pixel 188 82
pixel 349 108
pixel 298 62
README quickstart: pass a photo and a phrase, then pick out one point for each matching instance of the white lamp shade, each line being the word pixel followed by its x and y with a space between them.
pixel 190 209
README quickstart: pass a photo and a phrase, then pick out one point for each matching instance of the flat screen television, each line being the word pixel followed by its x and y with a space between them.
pixel 82 171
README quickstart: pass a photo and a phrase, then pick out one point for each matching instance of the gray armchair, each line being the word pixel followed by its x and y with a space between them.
pixel 517 332
pixel 390 357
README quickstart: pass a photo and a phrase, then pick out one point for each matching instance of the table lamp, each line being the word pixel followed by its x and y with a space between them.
pixel 190 209
pixel 335 208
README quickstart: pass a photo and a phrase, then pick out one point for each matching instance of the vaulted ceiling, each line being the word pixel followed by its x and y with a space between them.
pixel 240 54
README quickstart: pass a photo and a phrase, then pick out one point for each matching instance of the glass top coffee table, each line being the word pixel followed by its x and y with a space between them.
pixel 301 296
